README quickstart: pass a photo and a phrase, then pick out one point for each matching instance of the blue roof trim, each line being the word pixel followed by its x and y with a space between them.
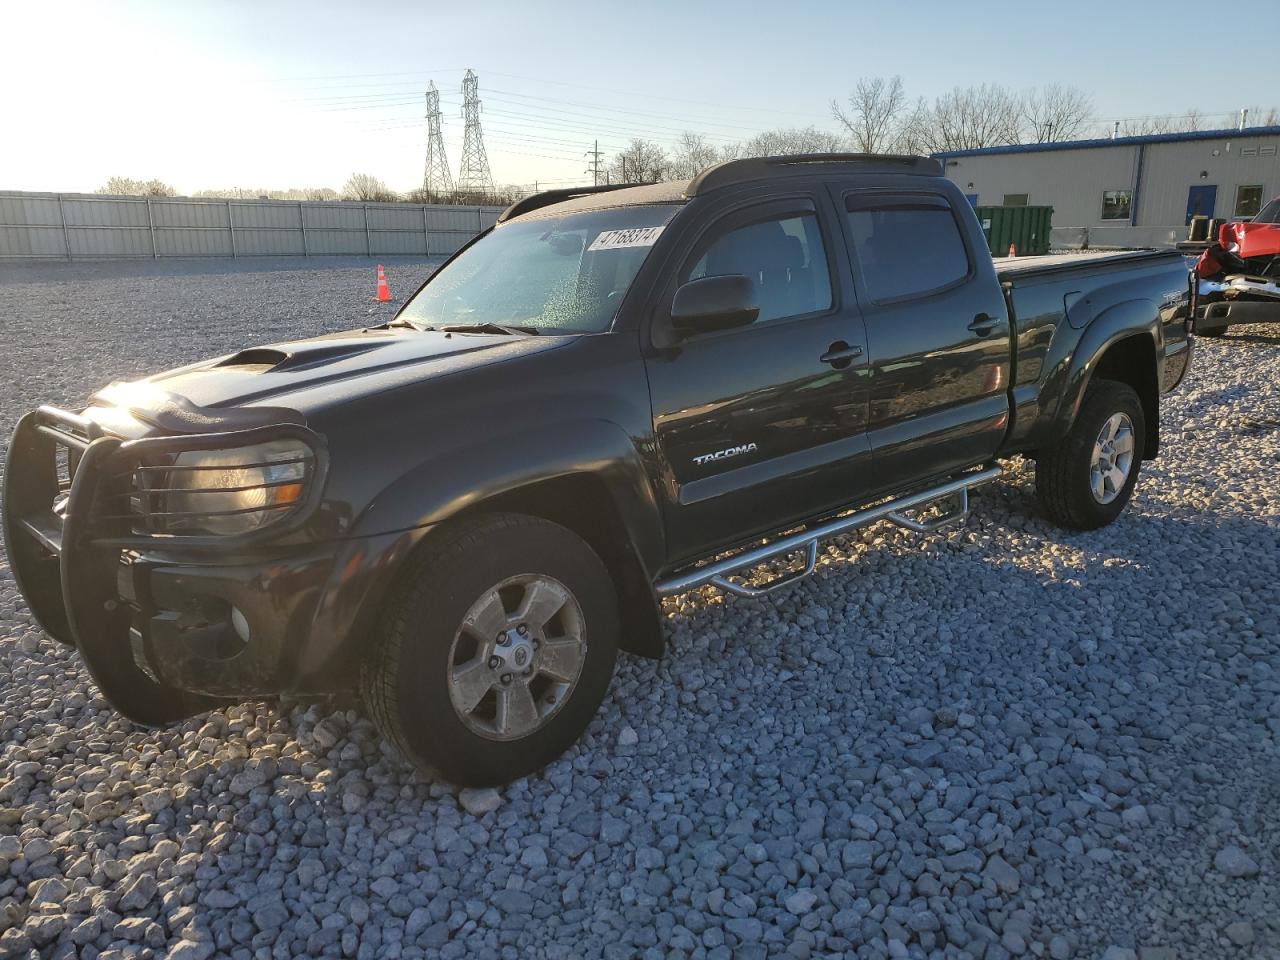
pixel 1232 133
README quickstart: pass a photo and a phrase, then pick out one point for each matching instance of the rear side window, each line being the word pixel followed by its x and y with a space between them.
pixel 907 249
pixel 785 259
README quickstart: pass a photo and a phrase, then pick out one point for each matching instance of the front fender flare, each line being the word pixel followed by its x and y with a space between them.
pixel 463 478
pixel 453 480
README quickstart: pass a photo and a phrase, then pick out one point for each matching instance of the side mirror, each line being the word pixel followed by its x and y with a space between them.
pixel 714 303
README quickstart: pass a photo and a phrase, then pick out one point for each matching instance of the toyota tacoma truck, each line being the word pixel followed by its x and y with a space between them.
pixel 615 395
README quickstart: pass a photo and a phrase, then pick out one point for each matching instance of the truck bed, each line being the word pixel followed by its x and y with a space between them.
pixel 1023 268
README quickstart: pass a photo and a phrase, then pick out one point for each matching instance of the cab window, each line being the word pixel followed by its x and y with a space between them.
pixel 905 249
pixel 784 257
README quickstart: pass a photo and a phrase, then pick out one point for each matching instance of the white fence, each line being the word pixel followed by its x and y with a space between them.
pixel 88 226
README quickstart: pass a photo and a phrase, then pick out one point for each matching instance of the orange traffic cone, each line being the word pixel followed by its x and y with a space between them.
pixel 1013 251
pixel 384 292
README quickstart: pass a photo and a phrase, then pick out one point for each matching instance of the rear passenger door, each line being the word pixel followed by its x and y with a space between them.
pixel 938 333
pixel 764 423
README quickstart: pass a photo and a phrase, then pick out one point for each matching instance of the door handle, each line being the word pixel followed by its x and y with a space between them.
pixel 840 354
pixel 983 324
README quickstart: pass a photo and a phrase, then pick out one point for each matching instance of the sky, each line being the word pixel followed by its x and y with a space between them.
pixel 279 94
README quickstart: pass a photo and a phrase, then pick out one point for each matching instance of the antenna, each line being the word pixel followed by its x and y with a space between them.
pixel 474 175
pixel 436 178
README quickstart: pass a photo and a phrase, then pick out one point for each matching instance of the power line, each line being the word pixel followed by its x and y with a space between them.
pixel 753 108
pixel 678 118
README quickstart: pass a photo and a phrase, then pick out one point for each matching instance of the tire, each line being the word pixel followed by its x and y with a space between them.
pixel 411 679
pixel 1065 480
pixel 1211 332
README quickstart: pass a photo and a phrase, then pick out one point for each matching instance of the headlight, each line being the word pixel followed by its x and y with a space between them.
pixel 233 491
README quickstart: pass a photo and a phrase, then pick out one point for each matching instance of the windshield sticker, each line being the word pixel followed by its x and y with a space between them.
pixel 617 239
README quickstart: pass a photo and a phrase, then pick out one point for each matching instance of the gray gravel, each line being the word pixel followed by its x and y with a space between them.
pixel 1006 741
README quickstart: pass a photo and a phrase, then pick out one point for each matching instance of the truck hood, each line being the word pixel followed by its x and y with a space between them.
pixel 1253 239
pixel 282 382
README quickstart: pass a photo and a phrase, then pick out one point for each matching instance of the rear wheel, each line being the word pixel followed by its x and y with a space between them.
pixel 1085 482
pixel 496 650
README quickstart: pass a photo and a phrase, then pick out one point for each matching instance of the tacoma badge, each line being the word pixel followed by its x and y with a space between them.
pixel 726 453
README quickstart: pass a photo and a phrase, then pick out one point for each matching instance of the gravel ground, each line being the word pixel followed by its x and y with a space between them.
pixel 1000 742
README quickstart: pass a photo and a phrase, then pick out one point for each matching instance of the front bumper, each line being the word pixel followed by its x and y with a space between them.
pixel 170 626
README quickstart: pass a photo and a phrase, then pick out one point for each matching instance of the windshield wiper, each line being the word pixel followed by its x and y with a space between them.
pixel 488 328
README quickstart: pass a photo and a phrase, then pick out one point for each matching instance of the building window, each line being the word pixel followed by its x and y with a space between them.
pixel 1015 200
pixel 1248 200
pixel 1115 204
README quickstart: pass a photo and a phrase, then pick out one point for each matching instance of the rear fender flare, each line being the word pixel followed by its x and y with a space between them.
pixel 1115 324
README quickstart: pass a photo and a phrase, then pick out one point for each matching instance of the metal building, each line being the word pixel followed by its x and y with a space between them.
pixel 1127 191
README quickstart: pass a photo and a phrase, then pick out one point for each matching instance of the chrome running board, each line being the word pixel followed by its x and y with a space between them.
pixel 717 572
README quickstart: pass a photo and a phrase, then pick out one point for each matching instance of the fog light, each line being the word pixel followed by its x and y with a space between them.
pixel 240 624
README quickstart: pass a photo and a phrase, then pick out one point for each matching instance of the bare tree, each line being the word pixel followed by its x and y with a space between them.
pixel 641 162
pixel 127 186
pixel 1055 112
pixel 873 114
pixel 1257 117
pixel 692 154
pixel 730 151
pixel 966 118
pixel 1187 122
pixel 791 140
pixel 270 193
pixel 366 187
pixel 970 118
pixel 916 133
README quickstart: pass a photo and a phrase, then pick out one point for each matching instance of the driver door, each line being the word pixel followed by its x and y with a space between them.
pixel 765 423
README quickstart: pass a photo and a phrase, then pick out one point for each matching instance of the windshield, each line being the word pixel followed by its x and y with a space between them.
pixel 1270 213
pixel 556 274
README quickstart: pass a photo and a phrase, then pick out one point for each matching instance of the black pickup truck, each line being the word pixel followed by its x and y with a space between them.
pixel 615 395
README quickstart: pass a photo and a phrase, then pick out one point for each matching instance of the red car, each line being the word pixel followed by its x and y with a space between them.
pixel 1239 276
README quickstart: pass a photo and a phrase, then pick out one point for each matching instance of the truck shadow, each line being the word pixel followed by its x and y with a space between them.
pixel 1062 685
pixel 1262 333
pixel 1002 598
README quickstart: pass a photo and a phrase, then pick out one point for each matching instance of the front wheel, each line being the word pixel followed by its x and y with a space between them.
pixel 1086 480
pixel 495 651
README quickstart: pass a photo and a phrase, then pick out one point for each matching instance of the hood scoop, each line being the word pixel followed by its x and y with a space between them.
pixel 298 357
pixel 255 357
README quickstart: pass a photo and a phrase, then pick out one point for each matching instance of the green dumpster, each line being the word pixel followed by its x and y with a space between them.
pixel 1027 228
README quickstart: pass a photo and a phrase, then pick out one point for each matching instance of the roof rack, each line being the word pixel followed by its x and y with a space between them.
pixel 537 201
pixel 757 168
